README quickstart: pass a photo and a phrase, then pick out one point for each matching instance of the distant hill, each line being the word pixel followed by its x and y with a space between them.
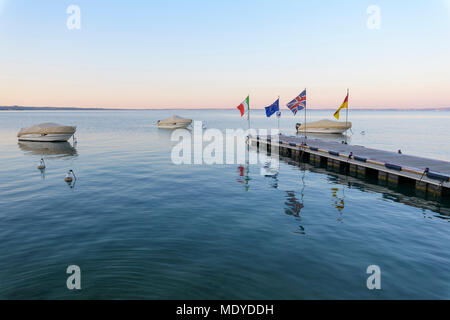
pixel 20 108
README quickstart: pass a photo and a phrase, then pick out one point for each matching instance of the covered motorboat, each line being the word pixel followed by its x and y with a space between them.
pixel 47 132
pixel 324 126
pixel 174 122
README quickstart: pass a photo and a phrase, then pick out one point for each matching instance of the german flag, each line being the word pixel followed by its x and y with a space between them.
pixel 343 106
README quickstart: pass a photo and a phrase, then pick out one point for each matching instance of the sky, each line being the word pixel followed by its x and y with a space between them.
pixel 212 54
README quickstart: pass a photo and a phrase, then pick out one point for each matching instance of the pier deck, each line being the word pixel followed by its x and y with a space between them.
pixel 388 166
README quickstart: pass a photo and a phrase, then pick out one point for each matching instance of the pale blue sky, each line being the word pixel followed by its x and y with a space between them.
pixel 208 54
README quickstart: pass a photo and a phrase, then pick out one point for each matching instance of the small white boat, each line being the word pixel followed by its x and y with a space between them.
pixel 324 126
pixel 47 132
pixel 174 122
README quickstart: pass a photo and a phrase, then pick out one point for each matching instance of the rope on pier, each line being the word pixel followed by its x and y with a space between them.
pixel 425 172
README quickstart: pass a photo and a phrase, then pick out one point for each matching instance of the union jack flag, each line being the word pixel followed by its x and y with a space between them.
pixel 298 103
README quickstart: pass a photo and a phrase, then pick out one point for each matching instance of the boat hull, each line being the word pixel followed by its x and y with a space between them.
pixel 174 126
pixel 325 130
pixel 324 127
pixel 52 137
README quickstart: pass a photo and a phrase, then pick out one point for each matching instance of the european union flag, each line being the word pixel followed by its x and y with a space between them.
pixel 270 110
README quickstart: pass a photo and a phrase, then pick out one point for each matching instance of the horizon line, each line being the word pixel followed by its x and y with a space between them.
pixel 24 108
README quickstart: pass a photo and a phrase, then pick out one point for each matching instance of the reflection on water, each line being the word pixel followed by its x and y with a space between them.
pixel 270 169
pixel 293 206
pixel 49 151
pixel 56 150
pixel 204 239
pixel 442 210
pixel 42 171
pixel 71 179
pixel 339 202
pixel 244 176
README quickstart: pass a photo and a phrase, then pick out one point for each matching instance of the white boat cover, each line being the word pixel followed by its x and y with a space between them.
pixel 329 124
pixel 47 128
pixel 175 120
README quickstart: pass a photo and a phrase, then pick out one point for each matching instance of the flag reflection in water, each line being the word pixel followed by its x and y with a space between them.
pixel 244 176
pixel 294 205
pixel 270 169
pixel 339 201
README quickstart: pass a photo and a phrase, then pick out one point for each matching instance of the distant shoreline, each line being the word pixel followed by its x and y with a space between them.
pixel 22 108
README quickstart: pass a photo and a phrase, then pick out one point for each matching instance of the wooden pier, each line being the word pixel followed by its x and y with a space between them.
pixel 429 177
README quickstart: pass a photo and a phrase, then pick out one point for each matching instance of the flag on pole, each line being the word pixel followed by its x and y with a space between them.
pixel 298 103
pixel 343 106
pixel 244 106
pixel 274 107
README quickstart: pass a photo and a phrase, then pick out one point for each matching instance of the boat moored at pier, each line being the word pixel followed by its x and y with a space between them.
pixel 324 126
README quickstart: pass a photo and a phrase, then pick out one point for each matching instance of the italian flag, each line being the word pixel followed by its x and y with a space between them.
pixel 244 106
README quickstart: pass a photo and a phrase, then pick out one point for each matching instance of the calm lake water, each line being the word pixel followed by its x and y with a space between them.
pixel 141 227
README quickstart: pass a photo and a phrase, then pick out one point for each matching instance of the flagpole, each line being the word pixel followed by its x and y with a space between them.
pixel 306 102
pixel 346 113
pixel 278 117
pixel 248 114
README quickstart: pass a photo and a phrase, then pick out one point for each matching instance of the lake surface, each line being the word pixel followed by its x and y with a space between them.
pixel 141 227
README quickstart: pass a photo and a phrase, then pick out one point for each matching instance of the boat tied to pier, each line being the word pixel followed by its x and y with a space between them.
pixel 324 126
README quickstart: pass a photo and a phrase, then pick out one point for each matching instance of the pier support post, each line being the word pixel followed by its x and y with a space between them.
pixel 305 156
pixel 353 170
pixel 421 188
pixel 434 191
pixel 295 154
pixel 315 160
pixel 382 178
pixel 337 165
pixel 330 164
pixel 392 180
pixel 445 196
pixel 361 171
